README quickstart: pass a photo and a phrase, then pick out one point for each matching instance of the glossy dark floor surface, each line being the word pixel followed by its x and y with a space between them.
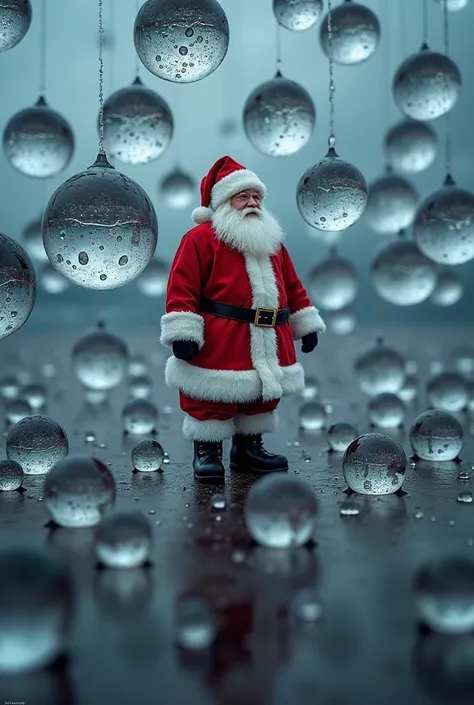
pixel 367 647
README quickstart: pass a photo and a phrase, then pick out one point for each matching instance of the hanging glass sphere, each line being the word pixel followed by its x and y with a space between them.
pixel 51 280
pixel 100 360
pixel 37 443
pixel 449 289
pixel 137 365
pixel 35 394
pixel 410 146
pixel 355 33
pixel 17 286
pixel 444 225
pixel 138 124
pixel 436 435
pixel 297 15
pixel 123 539
pixel 332 194
pixel 182 41
pixel 391 205
pixel 409 391
pixel 99 228
pixel 402 275
pixel 374 464
pixel 15 21
pixel 463 360
pixel 340 435
pixel 140 387
pixel 38 141
pixel 279 117
pixel 454 5
pixel 33 241
pixel 333 284
pixel 177 190
pixel 154 279
pixel 426 85
pixel 16 410
pixel 341 322
pixel 380 370
pixel 386 410
pixel 448 391
pixel 444 592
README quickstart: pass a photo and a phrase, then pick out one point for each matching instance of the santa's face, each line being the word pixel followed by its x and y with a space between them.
pixel 243 223
pixel 247 202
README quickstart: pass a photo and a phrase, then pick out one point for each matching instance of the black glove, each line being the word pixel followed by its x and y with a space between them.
pixel 310 340
pixel 185 349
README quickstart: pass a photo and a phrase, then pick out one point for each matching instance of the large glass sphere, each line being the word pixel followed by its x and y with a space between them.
pixel 448 391
pixel 100 360
pixel 332 194
pixel 426 85
pixel 36 609
pixel 32 241
pixel 279 117
pixel 178 190
pixel 449 289
pixel 436 435
pixel 99 228
pixel 355 33
pixel 181 40
pixel 402 275
pixel 391 205
pixel 154 279
pixel 380 370
pixel 17 286
pixel 454 5
pixel 11 475
pixel 374 464
pixel 123 539
pixel 333 284
pixel 340 435
pixel 444 225
pixel 38 141
pixel 386 410
pixel 444 592
pixel 297 15
pixel 341 322
pixel 410 146
pixel 138 124
pixel 15 21
pixel 140 417
pixel 37 443
pixel 51 280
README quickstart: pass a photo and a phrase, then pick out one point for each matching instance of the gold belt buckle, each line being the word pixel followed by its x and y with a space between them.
pixel 262 310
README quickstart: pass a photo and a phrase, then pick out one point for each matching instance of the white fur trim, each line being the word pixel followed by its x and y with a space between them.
pixel 202 215
pixel 182 325
pixel 234 183
pixel 306 320
pixel 248 424
pixel 213 431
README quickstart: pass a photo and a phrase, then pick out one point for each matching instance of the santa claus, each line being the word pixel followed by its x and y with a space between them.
pixel 234 306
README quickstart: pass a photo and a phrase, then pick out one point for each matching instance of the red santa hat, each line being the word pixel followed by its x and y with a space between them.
pixel 225 178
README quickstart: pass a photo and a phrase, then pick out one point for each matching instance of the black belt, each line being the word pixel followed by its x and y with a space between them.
pixel 262 317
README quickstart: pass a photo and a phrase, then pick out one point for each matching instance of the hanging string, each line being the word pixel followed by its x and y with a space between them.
pixel 137 59
pixel 42 89
pixel 101 80
pixel 278 49
pixel 448 114
pixel 112 47
pixel 425 23
pixel 332 88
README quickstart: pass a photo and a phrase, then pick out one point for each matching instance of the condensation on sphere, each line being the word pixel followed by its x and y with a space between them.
pixel 356 33
pixel 100 360
pixel 312 416
pixel 447 391
pixel 33 241
pixel 341 322
pixel 139 417
pixel 78 491
pixel 196 627
pixel 99 228
pixel 380 370
pixel 332 194
pixel 35 394
pixel 280 511
pixel 37 443
pixel 426 85
pixel 181 41
pixel 140 387
pixel 11 475
pixel 138 124
pixel 38 141
pixel 333 284
pixel 454 5
pixel 444 593
pixel 51 280
pixel 148 455
pixel 16 410
pixel 448 291
pixel 436 435
pixel 123 539
pixel 340 435
pixel 17 286
pixel 411 146
pixel 297 15
pixel 391 205
pixel 386 410
pixel 279 117
pixel 374 464
pixel 15 21
pixel 402 275
pixel 154 279
pixel 36 609
pixel 444 226
pixel 177 190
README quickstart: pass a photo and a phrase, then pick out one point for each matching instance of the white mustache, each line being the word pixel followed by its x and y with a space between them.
pixel 248 211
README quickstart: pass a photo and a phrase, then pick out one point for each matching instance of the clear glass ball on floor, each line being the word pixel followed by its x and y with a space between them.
pixel 437 436
pixel 374 464
pixel 123 539
pixel 37 442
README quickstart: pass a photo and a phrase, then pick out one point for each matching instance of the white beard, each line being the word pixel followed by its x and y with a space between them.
pixel 259 235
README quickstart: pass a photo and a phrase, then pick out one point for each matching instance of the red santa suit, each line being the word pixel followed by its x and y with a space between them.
pixel 242 370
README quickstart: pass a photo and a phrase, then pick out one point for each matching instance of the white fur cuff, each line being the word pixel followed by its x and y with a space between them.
pixel 306 320
pixel 233 183
pixel 248 424
pixel 182 325
pixel 212 431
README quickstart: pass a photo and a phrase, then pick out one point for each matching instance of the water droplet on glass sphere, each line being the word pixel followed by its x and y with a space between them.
pixel 444 593
pixel 160 32
pixel 297 15
pixel 386 410
pixel 391 205
pixel 154 279
pixel 340 435
pixel 38 141
pixel 16 410
pixel 138 110
pixel 312 416
pixel 32 241
pixel 140 417
pixel 123 539
pixel 280 511
pixel 402 275
pixel 447 391
pixel 349 508
pixel 78 490
pixel 306 605
pixel 410 146
pixel 147 455
pixel 374 464
pixel 11 475
pixel 37 443
pixel 196 626
pixel 426 85
pixel 36 609
pixel 311 388
pixel 279 117
pixel 15 21
pixel 218 501
pixel 100 360
pixel 51 280
pixel 341 322
pixel 436 435
pixel 454 5
pixel 465 497
pixel 380 370
pixel 177 190
pixel 94 209
pixel 332 194
pixel 333 284
pixel 355 33
pixel 17 286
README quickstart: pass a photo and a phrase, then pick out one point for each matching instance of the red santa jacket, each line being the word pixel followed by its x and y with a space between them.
pixel 237 362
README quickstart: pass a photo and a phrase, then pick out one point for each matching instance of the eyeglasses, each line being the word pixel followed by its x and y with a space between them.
pixel 245 196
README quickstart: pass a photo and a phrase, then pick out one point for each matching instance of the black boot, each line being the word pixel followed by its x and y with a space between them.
pixel 207 461
pixel 248 455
